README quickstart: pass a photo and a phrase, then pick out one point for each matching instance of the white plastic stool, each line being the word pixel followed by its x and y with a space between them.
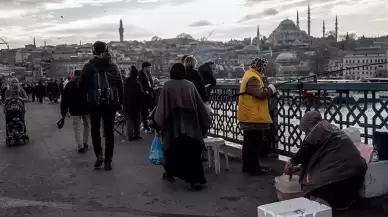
pixel 214 144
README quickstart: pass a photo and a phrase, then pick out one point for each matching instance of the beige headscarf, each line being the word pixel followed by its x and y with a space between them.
pixel 14 87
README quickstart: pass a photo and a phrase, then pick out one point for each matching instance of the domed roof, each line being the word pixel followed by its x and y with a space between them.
pixel 287 22
pixel 251 48
pixel 286 57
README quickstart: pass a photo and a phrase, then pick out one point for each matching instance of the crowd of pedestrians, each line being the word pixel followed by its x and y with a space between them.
pixel 180 115
pixel 36 91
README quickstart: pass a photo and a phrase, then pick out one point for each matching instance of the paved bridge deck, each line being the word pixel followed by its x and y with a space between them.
pixel 47 178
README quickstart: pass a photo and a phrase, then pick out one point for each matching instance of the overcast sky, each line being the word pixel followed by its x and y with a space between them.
pixel 69 21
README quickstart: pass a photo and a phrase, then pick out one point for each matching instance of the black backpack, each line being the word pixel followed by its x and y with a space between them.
pixel 100 91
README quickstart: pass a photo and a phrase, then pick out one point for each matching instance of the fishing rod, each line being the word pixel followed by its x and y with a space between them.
pixel 319 74
pixel 327 73
pixel 199 47
pixel 203 42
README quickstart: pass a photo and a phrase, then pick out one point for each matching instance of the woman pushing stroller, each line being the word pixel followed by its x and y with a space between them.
pixel 14 110
pixel 15 91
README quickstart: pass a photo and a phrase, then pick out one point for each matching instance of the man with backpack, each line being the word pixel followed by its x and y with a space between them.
pixel 101 81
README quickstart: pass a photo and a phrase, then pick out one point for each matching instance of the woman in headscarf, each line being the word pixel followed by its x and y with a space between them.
pixel 192 75
pixel 15 91
pixel 332 169
pixel 183 120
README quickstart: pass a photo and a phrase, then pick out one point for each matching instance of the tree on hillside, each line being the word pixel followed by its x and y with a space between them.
pixel 156 38
pixel 330 33
pixel 185 35
pixel 348 36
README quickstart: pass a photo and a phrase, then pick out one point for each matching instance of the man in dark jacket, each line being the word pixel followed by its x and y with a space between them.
pixel 146 82
pixel 53 91
pixel 40 91
pixel 206 72
pixel 104 103
pixel 76 104
pixel 133 96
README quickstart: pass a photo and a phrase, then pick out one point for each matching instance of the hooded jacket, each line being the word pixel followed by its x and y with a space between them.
pixel 72 101
pixel 208 78
pixel 133 97
pixel 102 63
pixel 327 154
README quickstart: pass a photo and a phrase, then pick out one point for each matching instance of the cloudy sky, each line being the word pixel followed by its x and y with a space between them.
pixel 69 21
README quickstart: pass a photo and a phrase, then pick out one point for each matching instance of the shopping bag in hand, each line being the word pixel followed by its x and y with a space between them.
pixel 156 155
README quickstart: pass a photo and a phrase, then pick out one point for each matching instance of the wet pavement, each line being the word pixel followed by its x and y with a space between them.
pixel 47 178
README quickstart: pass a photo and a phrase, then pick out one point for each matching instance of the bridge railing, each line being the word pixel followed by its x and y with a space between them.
pixel 361 105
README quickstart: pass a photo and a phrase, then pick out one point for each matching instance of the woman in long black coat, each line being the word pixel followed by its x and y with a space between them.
pixel 133 98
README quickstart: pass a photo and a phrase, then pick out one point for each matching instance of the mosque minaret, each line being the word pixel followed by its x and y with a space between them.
pixel 308 21
pixel 323 29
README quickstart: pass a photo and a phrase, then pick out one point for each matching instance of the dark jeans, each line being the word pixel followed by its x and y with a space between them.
pixel 40 99
pixel 253 140
pixel 133 127
pixel 107 114
pixel 340 194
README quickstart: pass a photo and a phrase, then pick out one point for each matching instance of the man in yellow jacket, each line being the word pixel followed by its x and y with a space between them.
pixel 253 114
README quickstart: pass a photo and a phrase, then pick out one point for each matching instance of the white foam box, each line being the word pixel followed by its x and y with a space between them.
pixel 299 207
pixel 376 179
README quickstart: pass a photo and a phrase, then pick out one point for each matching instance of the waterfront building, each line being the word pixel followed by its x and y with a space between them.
pixel 362 57
pixel 335 64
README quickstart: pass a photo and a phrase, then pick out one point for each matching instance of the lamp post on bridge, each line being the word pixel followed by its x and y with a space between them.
pixel 2 41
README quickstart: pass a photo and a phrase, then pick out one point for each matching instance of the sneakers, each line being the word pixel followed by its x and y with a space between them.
pixel 83 148
pixel 107 166
pixel 99 162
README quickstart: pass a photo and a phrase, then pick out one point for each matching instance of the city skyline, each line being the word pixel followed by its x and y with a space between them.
pixel 71 21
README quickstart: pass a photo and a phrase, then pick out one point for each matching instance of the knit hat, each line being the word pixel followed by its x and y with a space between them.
pixel 260 63
pixel 309 120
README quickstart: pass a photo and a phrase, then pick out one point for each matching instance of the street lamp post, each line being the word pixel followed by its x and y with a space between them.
pixel 2 41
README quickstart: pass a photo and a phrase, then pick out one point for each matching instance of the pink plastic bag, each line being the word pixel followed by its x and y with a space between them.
pixel 365 151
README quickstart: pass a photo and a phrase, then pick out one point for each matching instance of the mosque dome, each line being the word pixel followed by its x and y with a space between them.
pixel 286 57
pixel 287 22
pixel 251 49
pixel 287 34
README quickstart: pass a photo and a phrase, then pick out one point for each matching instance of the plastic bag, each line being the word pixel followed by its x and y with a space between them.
pixel 156 155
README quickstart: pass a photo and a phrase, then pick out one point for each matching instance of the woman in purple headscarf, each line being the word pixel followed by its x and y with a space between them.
pixel 332 169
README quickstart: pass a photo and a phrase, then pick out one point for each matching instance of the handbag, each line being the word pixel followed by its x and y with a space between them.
pixel 60 123
pixel 156 154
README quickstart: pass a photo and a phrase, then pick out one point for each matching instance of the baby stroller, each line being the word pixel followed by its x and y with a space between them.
pixel 14 110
